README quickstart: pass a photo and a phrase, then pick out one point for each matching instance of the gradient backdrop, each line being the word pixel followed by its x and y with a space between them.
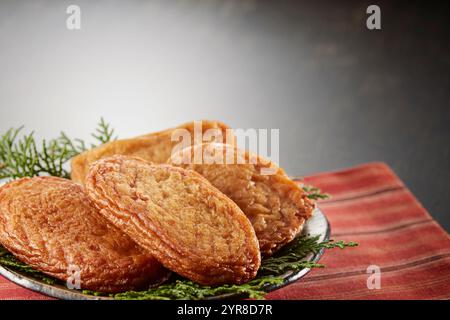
pixel 340 93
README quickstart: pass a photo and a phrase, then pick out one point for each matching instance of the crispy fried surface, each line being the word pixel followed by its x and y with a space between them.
pixel 276 206
pixel 49 223
pixel 153 147
pixel 186 223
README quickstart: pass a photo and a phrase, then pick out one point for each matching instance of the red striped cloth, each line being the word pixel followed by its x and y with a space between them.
pixel 369 205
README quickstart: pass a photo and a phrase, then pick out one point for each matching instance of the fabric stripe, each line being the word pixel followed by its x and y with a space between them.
pixel 384 230
pixel 362 195
pixel 384 269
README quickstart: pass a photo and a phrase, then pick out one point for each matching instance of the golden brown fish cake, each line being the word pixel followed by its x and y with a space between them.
pixel 276 206
pixel 154 147
pixel 50 224
pixel 178 216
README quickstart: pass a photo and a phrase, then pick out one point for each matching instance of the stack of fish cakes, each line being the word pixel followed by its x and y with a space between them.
pixel 133 213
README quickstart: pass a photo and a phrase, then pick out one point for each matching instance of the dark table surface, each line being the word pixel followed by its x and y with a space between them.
pixel 384 95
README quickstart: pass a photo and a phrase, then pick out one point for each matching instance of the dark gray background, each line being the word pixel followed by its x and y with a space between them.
pixel 340 94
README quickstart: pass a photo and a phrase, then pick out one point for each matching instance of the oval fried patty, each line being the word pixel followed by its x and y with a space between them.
pixel 154 147
pixel 276 206
pixel 50 224
pixel 178 216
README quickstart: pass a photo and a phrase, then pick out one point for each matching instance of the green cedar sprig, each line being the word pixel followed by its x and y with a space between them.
pixel 291 257
pixel 185 289
pixel 314 193
pixel 8 260
pixel 23 156
pixel 103 133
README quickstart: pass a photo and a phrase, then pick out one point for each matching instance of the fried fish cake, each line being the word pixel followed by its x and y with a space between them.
pixel 153 147
pixel 276 206
pixel 50 224
pixel 178 216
